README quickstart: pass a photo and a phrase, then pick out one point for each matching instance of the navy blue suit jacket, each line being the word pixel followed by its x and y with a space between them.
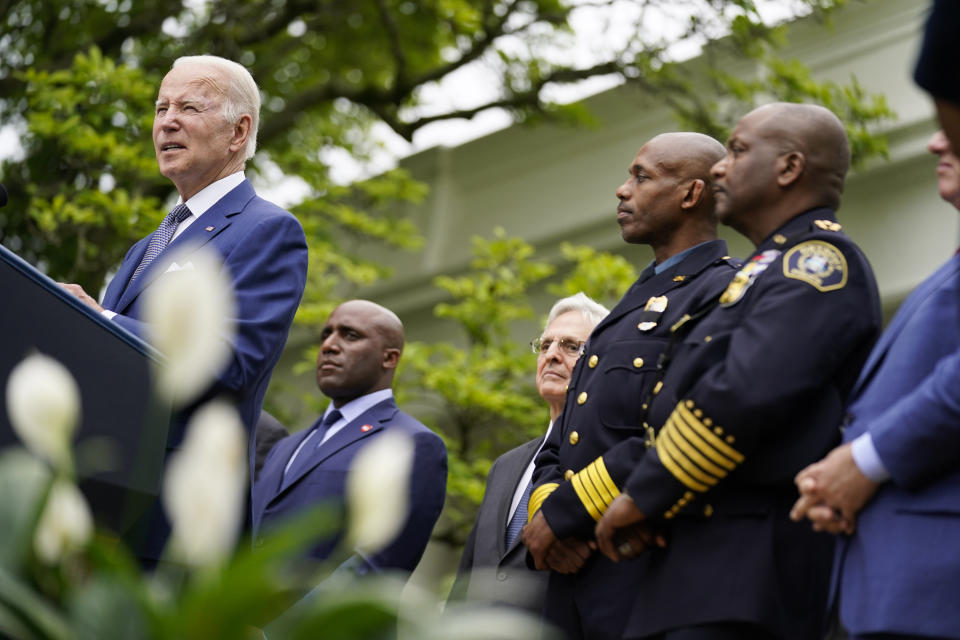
pixel 900 571
pixel 264 250
pixel 323 482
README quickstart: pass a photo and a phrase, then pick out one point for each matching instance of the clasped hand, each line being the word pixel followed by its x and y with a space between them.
pixel 552 554
pixel 832 492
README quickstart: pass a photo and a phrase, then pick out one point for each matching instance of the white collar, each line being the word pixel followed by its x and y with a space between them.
pixel 352 410
pixel 212 193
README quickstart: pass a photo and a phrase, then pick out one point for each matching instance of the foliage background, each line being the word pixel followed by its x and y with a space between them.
pixel 77 81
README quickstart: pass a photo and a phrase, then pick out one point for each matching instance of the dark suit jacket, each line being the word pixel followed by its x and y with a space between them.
pixel 901 568
pixel 264 250
pixel 324 482
pixel 269 431
pixel 489 571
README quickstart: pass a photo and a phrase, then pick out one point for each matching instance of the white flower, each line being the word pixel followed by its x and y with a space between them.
pixel 65 524
pixel 378 491
pixel 43 402
pixel 189 314
pixel 477 622
pixel 205 486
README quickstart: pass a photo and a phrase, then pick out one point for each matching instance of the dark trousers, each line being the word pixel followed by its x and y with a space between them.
pixel 717 631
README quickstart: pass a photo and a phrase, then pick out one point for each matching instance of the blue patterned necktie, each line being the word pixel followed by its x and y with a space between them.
pixel 161 237
pixel 304 455
pixel 519 517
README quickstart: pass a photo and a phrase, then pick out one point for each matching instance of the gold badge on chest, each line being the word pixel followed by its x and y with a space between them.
pixel 652 311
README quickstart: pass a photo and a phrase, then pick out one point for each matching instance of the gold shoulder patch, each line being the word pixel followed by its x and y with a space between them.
pixel 817 263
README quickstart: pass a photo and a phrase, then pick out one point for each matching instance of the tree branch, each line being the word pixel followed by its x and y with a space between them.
pixel 396 46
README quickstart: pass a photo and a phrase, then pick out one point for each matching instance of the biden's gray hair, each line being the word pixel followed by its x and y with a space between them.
pixel 241 96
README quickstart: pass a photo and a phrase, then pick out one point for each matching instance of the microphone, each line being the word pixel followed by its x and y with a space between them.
pixel 3 196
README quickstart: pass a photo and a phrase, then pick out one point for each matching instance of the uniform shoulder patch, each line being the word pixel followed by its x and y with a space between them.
pixel 817 263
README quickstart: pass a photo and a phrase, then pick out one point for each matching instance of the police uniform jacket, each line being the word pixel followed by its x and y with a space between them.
pixel 605 406
pixel 755 392
pixel 613 378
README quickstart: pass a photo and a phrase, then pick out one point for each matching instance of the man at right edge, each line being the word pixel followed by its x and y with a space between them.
pixel 754 393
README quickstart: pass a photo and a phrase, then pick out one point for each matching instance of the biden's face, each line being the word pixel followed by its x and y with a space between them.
pixel 195 145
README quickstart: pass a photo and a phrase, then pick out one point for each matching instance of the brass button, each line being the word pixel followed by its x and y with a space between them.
pixel 779 238
pixel 707 510
pixel 638 362
pixel 568 474
pixel 707 338
pixel 582 397
pixel 574 438
pixel 592 362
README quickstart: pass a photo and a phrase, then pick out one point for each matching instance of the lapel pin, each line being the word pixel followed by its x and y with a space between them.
pixel 366 427
pixel 209 228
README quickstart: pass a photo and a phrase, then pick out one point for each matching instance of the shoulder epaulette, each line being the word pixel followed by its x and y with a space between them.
pixel 736 263
pixel 828 225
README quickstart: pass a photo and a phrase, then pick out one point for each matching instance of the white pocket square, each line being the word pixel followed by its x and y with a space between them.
pixel 176 267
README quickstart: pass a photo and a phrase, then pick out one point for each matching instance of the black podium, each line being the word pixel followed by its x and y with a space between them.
pixel 121 440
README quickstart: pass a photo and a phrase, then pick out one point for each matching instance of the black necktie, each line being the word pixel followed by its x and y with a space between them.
pixel 304 456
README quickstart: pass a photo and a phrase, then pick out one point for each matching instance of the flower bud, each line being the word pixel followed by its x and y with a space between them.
pixel 378 487
pixel 189 314
pixel 43 402
pixel 204 488
pixel 65 524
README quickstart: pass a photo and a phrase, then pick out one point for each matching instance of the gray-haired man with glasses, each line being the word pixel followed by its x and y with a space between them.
pixel 493 567
pixel 666 202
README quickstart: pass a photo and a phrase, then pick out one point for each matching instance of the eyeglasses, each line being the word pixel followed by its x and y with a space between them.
pixel 566 346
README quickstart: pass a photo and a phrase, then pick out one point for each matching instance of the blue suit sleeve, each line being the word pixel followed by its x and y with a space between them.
pixel 918 438
pixel 268 268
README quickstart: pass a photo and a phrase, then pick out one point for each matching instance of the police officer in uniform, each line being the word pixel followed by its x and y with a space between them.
pixel 754 393
pixel 666 202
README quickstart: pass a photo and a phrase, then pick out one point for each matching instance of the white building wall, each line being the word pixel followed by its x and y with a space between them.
pixel 553 183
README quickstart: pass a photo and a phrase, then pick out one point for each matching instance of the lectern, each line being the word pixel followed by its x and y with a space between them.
pixel 121 440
